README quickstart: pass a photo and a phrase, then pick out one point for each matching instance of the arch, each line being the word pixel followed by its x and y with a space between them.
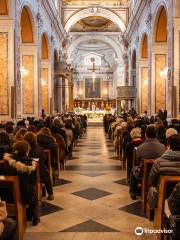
pixel 101 12
pixel 3 7
pixel 117 49
pixel 27 35
pixel 144 46
pixel 160 27
pixel 44 47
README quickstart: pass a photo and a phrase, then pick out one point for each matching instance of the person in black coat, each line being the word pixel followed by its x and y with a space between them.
pixel 5 144
pixel 47 141
pixel 20 164
pixel 37 152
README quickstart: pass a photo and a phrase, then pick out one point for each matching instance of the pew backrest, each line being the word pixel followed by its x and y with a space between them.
pixel 159 213
pixel 15 209
pixel 47 153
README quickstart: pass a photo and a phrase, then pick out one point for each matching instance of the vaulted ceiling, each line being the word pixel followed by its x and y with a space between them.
pixel 94 24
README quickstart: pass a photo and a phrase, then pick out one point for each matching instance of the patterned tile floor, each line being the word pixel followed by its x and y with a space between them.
pixel 92 200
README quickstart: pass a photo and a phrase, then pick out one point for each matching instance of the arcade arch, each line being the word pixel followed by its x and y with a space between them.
pixel 29 64
pixel 95 12
pixel 45 73
pixel 160 53
pixel 143 73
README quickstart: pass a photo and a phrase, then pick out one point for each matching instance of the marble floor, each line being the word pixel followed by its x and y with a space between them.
pixel 91 199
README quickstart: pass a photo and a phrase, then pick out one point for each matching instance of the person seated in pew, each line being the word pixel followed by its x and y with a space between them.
pixel 5 144
pixel 10 131
pixel 174 206
pixel 60 140
pixel 20 134
pixel 136 140
pixel 69 137
pixel 37 152
pixel 57 125
pixel 47 141
pixel 150 149
pixel 20 164
pixel 7 225
pixel 167 164
pixel 170 132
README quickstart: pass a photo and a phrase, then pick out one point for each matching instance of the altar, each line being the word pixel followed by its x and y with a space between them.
pixel 94 114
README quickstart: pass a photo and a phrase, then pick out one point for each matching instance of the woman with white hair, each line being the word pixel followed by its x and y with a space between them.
pixel 136 140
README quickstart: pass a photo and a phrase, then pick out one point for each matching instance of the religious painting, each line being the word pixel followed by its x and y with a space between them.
pixel 92 88
pixel 160 82
pixel 144 89
pixel 28 84
pixel 4 94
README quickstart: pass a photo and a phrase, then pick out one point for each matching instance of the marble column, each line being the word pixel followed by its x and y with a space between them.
pixel 70 90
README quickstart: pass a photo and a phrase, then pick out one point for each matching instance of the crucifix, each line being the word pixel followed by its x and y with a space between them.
pixel 93 69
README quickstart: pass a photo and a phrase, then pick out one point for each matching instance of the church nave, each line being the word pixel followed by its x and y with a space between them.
pixel 92 200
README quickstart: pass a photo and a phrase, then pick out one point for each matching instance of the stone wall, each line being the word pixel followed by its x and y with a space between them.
pixel 143 19
pixel 45 18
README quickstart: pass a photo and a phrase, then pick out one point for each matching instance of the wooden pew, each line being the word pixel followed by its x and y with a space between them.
pixel 15 209
pixel 148 163
pixel 160 211
pixel 47 152
pixel 58 157
pixel 38 184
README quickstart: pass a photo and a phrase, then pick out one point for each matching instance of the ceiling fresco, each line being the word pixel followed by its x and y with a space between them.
pixel 94 24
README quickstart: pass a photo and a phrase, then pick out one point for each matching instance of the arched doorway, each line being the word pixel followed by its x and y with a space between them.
pixel 29 76
pixel 160 59
pixel 45 74
pixel 143 69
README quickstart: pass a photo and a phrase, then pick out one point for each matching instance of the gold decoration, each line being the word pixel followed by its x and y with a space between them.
pixel 44 90
pixel 4 99
pixel 144 89
pixel 27 72
pixel 160 82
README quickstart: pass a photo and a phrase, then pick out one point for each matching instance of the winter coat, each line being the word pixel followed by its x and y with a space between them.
pixel 174 200
pixel 48 142
pixel 62 145
pixel 37 152
pixel 3 215
pixel 150 149
pixel 167 164
pixel 4 149
pixel 69 136
pixel 130 147
pixel 25 168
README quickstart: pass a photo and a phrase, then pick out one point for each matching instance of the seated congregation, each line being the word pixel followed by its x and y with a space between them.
pixel 32 153
pixel 149 151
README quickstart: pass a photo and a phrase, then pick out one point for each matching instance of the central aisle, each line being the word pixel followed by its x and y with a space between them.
pixel 92 200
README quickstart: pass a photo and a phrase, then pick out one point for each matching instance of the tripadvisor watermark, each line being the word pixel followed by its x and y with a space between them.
pixel 140 231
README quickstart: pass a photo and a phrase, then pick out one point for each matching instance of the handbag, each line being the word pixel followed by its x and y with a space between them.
pixel 152 197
